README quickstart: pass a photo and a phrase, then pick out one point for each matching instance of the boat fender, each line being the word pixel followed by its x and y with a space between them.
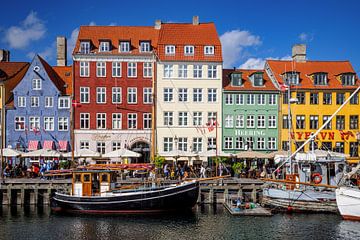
pixel 317 178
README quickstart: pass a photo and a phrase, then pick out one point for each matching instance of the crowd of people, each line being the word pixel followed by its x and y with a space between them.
pixel 31 171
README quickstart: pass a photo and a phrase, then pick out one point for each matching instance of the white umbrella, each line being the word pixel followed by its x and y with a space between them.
pixel 212 153
pixel 82 153
pixel 121 153
pixel 251 154
pixel 9 152
pixel 178 153
pixel 42 153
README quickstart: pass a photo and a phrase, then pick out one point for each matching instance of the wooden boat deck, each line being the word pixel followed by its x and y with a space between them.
pixel 258 211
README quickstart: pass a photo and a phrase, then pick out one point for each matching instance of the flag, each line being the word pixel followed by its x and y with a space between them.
pixel 36 131
pixel 283 87
pixel 76 104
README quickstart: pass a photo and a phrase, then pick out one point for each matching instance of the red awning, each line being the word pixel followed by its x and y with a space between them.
pixel 63 145
pixel 48 144
pixel 33 145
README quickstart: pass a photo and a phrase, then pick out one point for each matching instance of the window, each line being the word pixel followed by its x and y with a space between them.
pixel 229 121
pixel 286 98
pixel 124 46
pixel 327 98
pixel 355 99
pixel 147 120
pixel 271 143
pixel 239 99
pixel 63 124
pixel 250 99
pixel 197 118
pixel 340 98
pixel 354 149
pixel 249 143
pixel 212 71
pixel 84 95
pixel 85 47
pixel 325 118
pixel 64 102
pixel 49 123
pixel 36 84
pixel 300 97
pixel 197 94
pixel 292 78
pixel 211 118
pixel 240 121
pixel 101 120
pixel 197 71
pixel 100 147
pixel 132 72
pixel 104 46
pixel 354 121
pixel 183 71
pixel 228 142
pixel 147 71
pixel 84 120
pixel 132 95
pixel 19 123
pixel 300 121
pixel 272 121
pixel 147 95
pixel 145 47
pixel 261 121
pixel 211 143
pixel 183 118
pixel 236 79
pixel 100 95
pixel 340 122
pixel 101 69
pixel 212 94
pixel 168 144
pixel 182 144
pixel 320 79
pixel 84 69
pixel 168 118
pixel 261 99
pixel 285 145
pixel 116 121
pixel 209 50
pixel 116 69
pixel 116 95
pixel 115 145
pixel 272 99
pixel 34 123
pixel 22 102
pixel 34 101
pixel 189 50
pixel 170 50
pixel 183 94
pixel 228 99
pixel 168 71
pixel 84 145
pixel 168 95
pixel 261 143
pixel 132 121
pixel 298 145
pixel 339 147
pixel 348 79
pixel 258 79
pixel 250 121
pixel 314 98
pixel 314 122
pixel 239 143
pixel 285 122
pixel 197 144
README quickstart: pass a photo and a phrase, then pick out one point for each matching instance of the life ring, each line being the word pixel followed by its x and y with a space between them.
pixel 317 178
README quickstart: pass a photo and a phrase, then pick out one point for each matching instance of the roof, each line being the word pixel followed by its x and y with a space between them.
pixel 247 84
pixel 65 73
pixel 181 34
pixel 10 69
pixel 333 68
pixel 54 77
pixel 135 34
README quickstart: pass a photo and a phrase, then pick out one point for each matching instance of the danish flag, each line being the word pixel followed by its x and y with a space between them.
pixel 75 104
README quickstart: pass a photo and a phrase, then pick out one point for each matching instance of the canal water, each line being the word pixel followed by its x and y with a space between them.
pixel 206 222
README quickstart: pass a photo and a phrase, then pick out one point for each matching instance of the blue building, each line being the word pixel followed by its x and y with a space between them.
pixel 38 114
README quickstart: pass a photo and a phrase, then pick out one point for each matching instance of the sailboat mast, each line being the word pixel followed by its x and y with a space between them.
pixel 289 126
pixel 153 111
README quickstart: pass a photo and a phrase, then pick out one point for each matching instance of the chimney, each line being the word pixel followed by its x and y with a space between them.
pixel 157 24
pixel 4 55
pixel 299 52
pixel 195 20
pixel 61 51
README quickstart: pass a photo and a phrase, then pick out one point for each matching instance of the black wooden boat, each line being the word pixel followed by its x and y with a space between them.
pixel 94 192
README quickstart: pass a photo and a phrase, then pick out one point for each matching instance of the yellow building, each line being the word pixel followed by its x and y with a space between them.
pixel 318 88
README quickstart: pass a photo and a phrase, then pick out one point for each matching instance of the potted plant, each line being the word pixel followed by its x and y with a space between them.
pixel 238 167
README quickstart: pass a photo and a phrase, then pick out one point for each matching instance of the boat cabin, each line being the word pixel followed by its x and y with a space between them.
pixel 93 182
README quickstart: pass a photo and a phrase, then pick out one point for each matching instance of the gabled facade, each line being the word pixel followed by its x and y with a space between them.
pixel 38 113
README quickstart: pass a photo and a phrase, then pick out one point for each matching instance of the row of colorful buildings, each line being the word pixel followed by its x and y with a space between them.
pixel 162 89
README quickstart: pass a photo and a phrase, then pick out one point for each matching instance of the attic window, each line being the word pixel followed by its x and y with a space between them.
pixel 36 68
pixel 170 49
pixel 348 79
pixel 209 50
pixel 236 79
pixel 145 46
pixel 320 79
pixel 292 78
pixel 104 46
pixel 258 79
pixel 189 50
pixel 85 47
pixel 124 46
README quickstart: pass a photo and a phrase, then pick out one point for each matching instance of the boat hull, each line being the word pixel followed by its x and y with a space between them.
pixel 348 202
pixel 168 199
pixel 299 201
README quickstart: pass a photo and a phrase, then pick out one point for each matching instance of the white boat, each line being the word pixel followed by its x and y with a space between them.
pixel 348 202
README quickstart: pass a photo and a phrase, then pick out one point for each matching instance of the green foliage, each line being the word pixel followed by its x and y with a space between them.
pixel 220 160
pixel 159 161
pixel 238 167
pixel 64 164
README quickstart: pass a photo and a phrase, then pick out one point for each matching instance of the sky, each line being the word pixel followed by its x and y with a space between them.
pixel 250 31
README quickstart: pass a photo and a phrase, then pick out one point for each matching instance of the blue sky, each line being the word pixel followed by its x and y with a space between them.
pixel 250 31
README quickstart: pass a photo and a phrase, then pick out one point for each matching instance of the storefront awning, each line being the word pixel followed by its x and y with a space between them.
pixel 33 145
pixel 48 144
pixel 63 145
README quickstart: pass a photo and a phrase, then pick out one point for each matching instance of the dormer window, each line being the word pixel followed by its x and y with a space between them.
pixel 170 49
pixel 144 46
pixel 292 78
pixel 209 50
pixel 348 79
pixel 320 79
pixel 104 46
pixel 189 50
pixel 258 79
pixel 124 46
pixel 85 47
pixel 236 79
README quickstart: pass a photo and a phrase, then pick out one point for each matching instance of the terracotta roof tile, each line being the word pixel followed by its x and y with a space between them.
pixel 54 77
pixel 65 73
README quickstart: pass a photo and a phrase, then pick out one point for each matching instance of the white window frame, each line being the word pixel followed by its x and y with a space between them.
pixel 239 99
pixel 84 69
pixel 21 101
pixel 63 124
pixel 168 118
pixel 170 50
pixel 189 50
pixel 250 99
pixel 104 46
pixel 168 95
pixel 197 118
pixel 261 121
pixel 84 120
pixel 116 95
pixel 229 121
pixel 240 121
pixel 34 101
pixel 229 100
pixel 212 71
pixel 100 120
pixel 183 119
pixel 115 145
pixel 100 147
pixel 168 71
pixel 197 95
pixel 182 144
pixel 84 95
pixel 19 122
pixel 272 121
pixel 124 46
pixel 64 102
pixel 101 95
pixel 183 95
pixel 168 144
pixel 250 121
pixel 209 50
pixel 34 122
pixel 261 143
pixel 132 118
pixel 116 69
pixel 145 46
pixel 147 120
pixel 101 69
pixel 228 142
pixel 116 121
pixel 261 99
pixel 147 95
pixel 84 144
pixel 271 143
pixel 132 95
pixel 36 84
pixel 183 71
pixel 49 123
pixel 84 47
pixel 272 99
pixel 212 95
pixel 198 71
pixel 197 144
pixel 132 69
pixel 147 69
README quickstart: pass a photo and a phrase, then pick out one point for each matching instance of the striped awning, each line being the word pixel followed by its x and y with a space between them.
pixel 48 144
pixel 33 145
pixel 63 145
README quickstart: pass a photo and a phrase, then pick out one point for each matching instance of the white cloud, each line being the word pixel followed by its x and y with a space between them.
pixel 31 29
pixel 92 23
pixel 48 53
pixel 71 42
pixel 233 42
pixel 259 63
pixel 306 37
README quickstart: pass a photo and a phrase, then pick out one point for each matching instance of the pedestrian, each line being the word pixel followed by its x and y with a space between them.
pixel 202 172
pixel 166 171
